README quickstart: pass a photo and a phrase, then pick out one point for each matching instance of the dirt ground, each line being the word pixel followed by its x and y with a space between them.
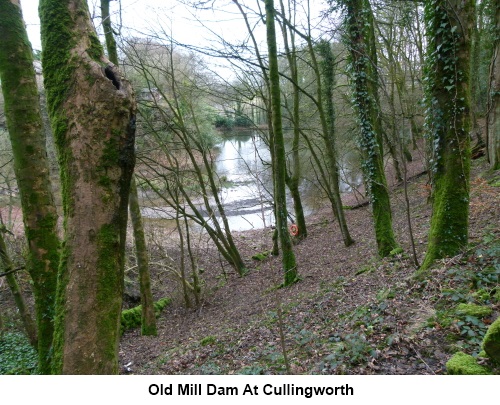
pixel 351 312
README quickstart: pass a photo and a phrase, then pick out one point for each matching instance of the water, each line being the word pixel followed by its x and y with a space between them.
pixel 243 166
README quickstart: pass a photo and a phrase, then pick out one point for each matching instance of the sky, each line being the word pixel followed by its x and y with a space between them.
pixel 141 17
pixel 146 16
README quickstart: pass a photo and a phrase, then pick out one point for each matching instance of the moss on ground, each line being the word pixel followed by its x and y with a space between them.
pixel 479 311
pixel 491 341
pixel 131 318
pixel 465 364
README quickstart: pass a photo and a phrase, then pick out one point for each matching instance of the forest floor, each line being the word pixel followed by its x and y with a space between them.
pixel 351 312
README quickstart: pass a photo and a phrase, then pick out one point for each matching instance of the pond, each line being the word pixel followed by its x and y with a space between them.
pixel 243 166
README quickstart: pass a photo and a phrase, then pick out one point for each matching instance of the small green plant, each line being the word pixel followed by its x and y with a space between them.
pixel 17 356
pixel 261 256
pixel 251 370
pixel 208 340
pixel 365 269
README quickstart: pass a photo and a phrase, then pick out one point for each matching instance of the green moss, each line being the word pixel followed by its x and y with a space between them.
pixel 491 341
pixel 25 124
pixel 365 269
pixel 95 51
pixel 261 256
pixel 131 318
pixel 497 295
pixel 482 295
pixel 396 251
pixel 465 364
pixel 479 311
pixel 448 125
pixel 208 340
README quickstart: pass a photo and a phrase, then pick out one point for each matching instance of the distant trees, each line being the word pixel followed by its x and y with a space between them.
pixel 179 127
pixel 92 111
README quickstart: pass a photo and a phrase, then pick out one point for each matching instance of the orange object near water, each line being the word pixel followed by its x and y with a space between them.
pixel 294 230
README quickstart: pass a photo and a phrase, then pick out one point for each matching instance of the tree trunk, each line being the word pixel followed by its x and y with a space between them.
pixel 287 254
pixel 493 117
pixel 24 313
pixel 325 96
pixel 148 318
pixel 25 125
pixel 92 111
pixel 448 124
pixel 361 42
pixel 293 180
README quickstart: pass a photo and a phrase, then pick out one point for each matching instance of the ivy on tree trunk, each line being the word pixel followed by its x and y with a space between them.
pixel 360 39
pixel 448 123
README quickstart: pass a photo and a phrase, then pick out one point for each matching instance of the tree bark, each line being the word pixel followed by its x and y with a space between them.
pixel 24 313
pixel 493 117
pixel 92 111
pixel 449 24
pixel 361 42
pixel 25 125
pixel 293 180
pixel 287 254
pixel 148 318
pixel 325 96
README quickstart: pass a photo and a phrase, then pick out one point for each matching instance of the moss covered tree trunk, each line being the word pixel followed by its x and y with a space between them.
pixel 287 254
pixel 148 318
pixel 92 111
pixel 360 39
pixel 24 313
pixel 494 94
pixel 326 83
pixel 25 125
pixel 449 24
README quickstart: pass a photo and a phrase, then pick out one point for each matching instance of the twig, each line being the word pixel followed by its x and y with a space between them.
pixel 12 271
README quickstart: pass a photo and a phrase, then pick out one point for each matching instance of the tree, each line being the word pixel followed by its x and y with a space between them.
pixel 293 179
pixel 288 256
pixel 148 317
pixel 360 40
pixel 449 24
pixel 25 125
pixel 327 114
pixel 22 307
pixel 493 117
pixel 92 112
pixel 177 123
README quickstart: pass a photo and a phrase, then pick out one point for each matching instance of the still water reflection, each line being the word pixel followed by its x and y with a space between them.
pixel 243 167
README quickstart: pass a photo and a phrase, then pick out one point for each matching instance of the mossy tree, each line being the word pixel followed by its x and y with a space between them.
pixel 288 256
pixel 294 176
pixel 493 118
pixel 360 40
pixel 25 125
pixel 326 84
pixel 15 289
pixel 92 112
pixel 449 24
pixel 148 318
